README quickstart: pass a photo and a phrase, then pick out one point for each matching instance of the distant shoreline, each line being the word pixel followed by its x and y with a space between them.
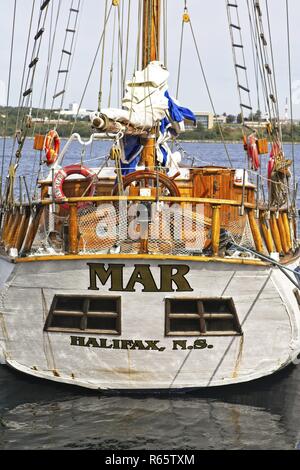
pixel 182 141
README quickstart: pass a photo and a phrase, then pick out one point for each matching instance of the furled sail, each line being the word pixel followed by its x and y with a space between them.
pixel 146 104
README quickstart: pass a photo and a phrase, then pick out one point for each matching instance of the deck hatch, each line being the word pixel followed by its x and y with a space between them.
pixel 201 317
pixel 90 314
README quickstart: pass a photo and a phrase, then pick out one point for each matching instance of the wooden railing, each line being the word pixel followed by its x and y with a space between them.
pixel 271 227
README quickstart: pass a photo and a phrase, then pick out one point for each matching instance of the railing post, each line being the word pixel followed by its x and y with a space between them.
pixel 216 227
pixel 73 230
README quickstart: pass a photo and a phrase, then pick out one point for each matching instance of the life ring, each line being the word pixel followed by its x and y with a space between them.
pixel 62 174
pixel 52 147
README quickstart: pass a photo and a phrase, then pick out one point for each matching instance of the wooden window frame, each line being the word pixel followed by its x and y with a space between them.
pixel 84 314
pixel 201 315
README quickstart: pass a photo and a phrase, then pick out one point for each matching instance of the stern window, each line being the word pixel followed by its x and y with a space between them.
pixel 85 314
pixel 201 317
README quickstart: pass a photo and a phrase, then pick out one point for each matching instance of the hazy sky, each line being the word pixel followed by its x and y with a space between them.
pixel 211 28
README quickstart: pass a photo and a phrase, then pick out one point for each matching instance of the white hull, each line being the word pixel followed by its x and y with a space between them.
pixel 266 306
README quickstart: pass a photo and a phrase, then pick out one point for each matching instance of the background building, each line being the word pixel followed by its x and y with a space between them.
pixel 74 110
pixel 206 119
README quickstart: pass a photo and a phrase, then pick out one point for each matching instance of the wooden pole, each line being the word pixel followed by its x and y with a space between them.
pixel 283 238
pixel 216 227
pixel 6 225
pixel 276 234
pixel 22 230
pixel 32 230
pixel 73 230
pixel 151 42
pixel 255 232
pixel 267 233
pixel 287 228
pixel 12 234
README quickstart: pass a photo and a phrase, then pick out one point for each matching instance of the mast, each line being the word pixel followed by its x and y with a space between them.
pixel 151 46
pixel 151 31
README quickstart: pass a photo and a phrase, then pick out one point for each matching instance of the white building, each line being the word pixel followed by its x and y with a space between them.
pixel 74 111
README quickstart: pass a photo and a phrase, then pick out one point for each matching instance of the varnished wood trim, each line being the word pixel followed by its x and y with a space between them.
pixel 202 259
pixel 192 200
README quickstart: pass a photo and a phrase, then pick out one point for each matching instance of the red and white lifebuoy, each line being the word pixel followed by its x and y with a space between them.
pixel 52 147
pixel 62 174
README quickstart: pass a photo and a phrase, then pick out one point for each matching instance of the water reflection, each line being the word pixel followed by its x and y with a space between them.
pixel 261 415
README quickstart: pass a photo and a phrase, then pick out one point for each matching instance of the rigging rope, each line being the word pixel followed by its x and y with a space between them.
pixel 120 59
pixel 237 63
pixel 180 59
pixel 102 60
pixel 259 66
pixel 71 29
pixel 91 71
pixel 209 94
pixel 290 92
pixel 111 72
pixel 127 45
pixel 273 65
pixel 8 92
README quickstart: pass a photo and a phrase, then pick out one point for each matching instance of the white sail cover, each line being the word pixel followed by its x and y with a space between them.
pixel 144 103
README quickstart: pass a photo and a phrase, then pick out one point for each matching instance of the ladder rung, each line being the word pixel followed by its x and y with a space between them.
pixel 257 6
pixel 59 94
pixel 241 67
pixel 235 26
pixel 262 37
pixel 39 34
pixel 33 63
pixel 27 92
pixel 66 52
pixel 71 30
pixel 63 71
pixel 268 69
pixel 74 10
pixel 238 45
pixel 244 88
pixel 232 5
pixel 43 6
pixel 246 106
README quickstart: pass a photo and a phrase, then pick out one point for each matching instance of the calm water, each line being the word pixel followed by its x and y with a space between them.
pixel 265 414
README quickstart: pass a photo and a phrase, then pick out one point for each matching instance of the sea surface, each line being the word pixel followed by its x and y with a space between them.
pixel 36 414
